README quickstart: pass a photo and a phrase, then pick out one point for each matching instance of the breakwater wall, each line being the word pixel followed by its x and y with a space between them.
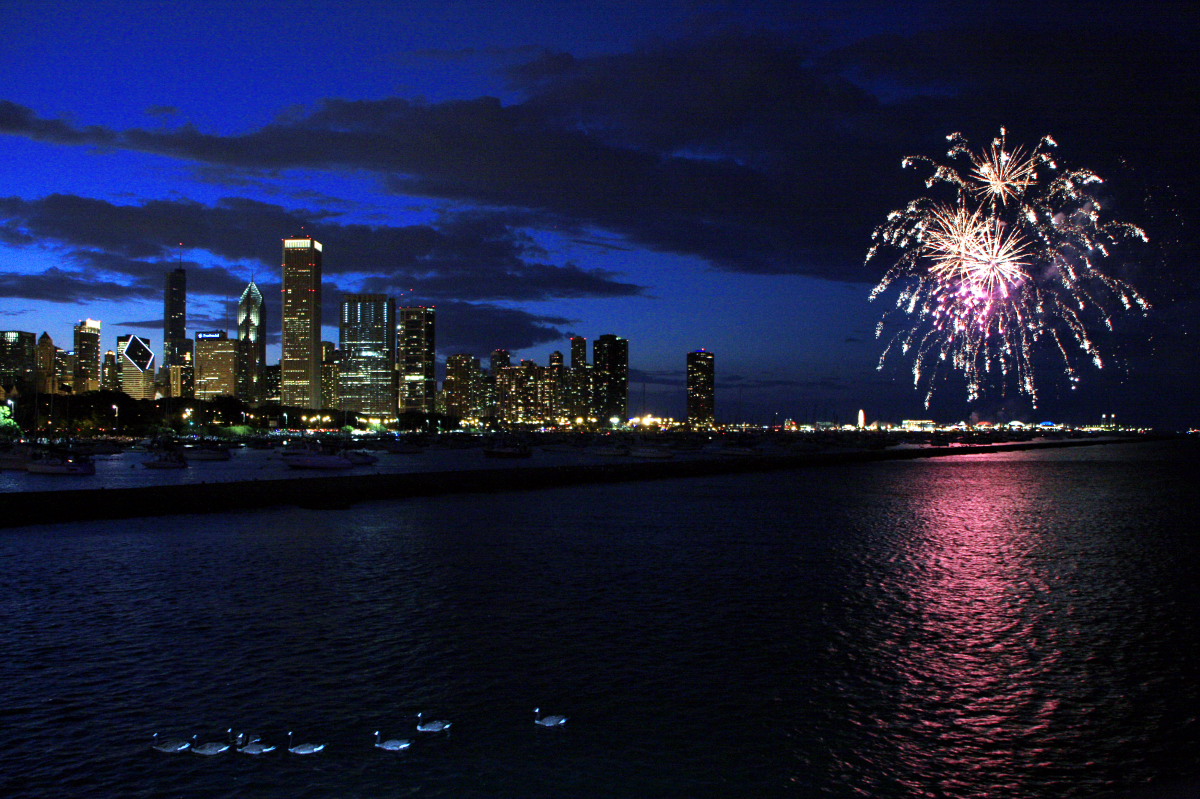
pixel 343 491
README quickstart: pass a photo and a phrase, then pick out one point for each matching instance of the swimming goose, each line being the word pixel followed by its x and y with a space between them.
pixel 255 747
pixel 431 726
pixel 211 747
pixel 303 749
pixel 392 744
pixel 170 745
pixel 548 721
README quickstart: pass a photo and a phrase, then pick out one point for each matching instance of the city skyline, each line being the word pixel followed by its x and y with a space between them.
pixel 684 176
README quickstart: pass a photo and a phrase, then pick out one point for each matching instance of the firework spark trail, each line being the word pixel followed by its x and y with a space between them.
pixel 1006 270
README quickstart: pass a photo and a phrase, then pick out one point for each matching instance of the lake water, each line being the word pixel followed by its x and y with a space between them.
pixel 1018 624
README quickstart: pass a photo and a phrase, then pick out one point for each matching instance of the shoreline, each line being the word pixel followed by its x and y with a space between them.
pixel 343 491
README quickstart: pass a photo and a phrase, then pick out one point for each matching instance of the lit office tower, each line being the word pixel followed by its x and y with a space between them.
pixel 18 360
pixel 251 343
pixel 87 356
pixel 300 366
pixel 366 379
pixel 701 380
pixel 136 366
pixel 610 367
pixel 216 365
pixel 464 387
pixel 577 382
pixel 415 350
pixel 176 344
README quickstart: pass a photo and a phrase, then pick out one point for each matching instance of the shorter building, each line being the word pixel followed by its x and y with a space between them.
pixel 136 361
pixel 216 365
pixel 465 389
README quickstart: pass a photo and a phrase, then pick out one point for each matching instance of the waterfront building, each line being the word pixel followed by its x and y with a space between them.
pixel 46 370
pixel 271 383
pixel 578 352
pixel 136 361
pixel 177 347
pixel 701 382
pixel 464 391
pixel 331 370
pixel 300 366
pixel 180 381
pixel 18 359
pixel 610 386
pixel 64 371
pixel 416 350
pixel 367 376
pixel 87 356
pixel 500 360
pixel 251 343
pixel 110 373
pixel 216 365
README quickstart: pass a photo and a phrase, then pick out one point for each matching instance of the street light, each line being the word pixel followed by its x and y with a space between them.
pixel 116 419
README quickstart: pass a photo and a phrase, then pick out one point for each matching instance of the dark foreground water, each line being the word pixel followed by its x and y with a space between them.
pixel 1006 625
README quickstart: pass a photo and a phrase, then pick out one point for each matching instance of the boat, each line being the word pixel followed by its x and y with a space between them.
pixel 610 450
pixel 507 449
pixel 310 456
pixel 166 459
pixel 650 452
pixel 61 463
pixel 208 452
pixel 358 457
pixel 17 456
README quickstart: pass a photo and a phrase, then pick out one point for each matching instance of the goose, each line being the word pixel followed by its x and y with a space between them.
pixel 392 744
pixel 170 745
pixel 555 720
pixel 431 726
pixel 303 749
pixel 255 747
pixel 212 747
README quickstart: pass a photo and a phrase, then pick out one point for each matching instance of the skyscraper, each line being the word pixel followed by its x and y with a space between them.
pixel 176 344
pixel 416 349
pixel 610 359
pixel 701 381
pixel 578 352
pixel 18 359
pixel 87 356
pixel 136 366
pixel 47 375
pixel 300 366
pixel 464 387
pixel 367 376
pixel 216 365
pixel 251 343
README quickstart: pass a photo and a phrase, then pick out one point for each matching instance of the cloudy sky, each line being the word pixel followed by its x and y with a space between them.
pixel 685 174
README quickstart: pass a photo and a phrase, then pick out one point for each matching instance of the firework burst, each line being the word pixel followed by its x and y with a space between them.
pixel 1008 268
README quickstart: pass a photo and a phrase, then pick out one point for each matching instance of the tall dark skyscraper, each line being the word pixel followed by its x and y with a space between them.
pixel 251 344
pixel 367 376
pixel 416 349
pixel 578 352
pixel 701 382
pixel 610 385
pixel 18 359
pixel 177 347
pixel 300 366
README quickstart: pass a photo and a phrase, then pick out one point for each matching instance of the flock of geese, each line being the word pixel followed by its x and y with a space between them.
pixel 255 746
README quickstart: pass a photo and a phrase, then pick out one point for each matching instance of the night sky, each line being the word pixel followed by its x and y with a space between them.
pixel 684 174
